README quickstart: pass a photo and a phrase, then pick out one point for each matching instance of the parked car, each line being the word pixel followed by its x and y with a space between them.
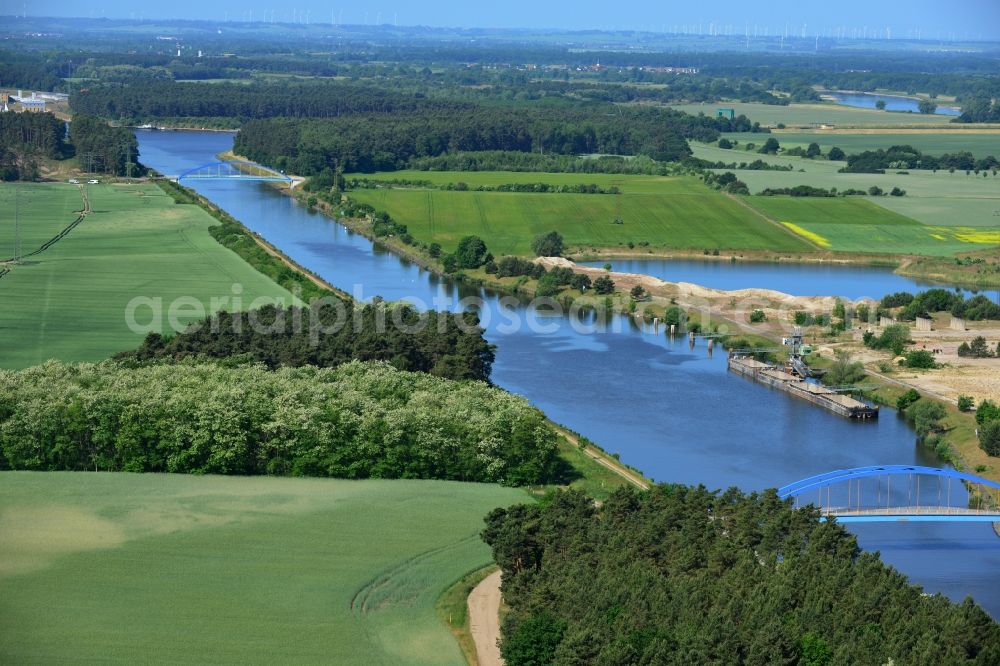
pixel 93 181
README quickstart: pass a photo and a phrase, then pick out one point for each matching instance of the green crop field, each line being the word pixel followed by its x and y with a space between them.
pixel 42 211
pixel 940 199
pixel 932 142
pixel 70 301
pixel 808 115
pixel 665 212
pixel 627 183
pixel 856 225
pixel 121 568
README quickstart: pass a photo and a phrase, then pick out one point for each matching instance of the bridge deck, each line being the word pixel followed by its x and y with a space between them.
pixel 913 513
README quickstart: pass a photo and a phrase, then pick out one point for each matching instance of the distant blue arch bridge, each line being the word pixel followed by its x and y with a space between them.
pixel 236 170
pixel 886 493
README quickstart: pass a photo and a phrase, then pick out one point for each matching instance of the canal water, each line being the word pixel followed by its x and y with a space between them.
pixel 848 282
pixel 892 103
pixel 672 411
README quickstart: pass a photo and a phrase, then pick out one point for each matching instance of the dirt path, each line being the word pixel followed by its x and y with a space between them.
pixel 603 459
pixel 484 619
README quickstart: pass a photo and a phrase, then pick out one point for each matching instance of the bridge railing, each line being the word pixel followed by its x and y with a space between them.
pixel 898 492
pixel 233 170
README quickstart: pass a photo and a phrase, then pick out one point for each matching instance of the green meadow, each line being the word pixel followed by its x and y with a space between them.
pixel 121 568
pixel 980 144
pixel 951 212
pixel 809 115
pixel 663 212
pixel 69 302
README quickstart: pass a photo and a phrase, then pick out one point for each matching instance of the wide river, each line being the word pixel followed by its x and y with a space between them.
pixel 673 412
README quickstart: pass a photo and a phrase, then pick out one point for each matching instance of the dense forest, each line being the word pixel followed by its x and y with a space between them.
pixel 102 148
pixel 326 335
pixel 374 143
pixel 684 576
pixel 357 421
pixel 26 138
pixel 141 101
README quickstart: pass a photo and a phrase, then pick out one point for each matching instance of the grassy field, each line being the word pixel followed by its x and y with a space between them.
pixel 43 210
pixel 69 302
pixel 980 144
pixel 665 212
pixel 857 225
pixel 808 115
pixel 968 203
pixel 184 569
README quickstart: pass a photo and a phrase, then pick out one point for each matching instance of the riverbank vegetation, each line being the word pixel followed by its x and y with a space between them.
pixel 667 573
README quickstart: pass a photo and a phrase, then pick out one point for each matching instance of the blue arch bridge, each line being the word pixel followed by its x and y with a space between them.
pixel 236 170
pixel 898 493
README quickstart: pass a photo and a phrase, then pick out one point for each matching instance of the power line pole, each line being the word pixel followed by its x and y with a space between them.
pixel 17 224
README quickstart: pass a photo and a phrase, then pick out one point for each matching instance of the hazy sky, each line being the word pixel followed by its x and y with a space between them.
pixel 963 19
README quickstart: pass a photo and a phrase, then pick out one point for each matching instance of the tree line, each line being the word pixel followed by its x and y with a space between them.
pixel 681 575
pixel 141 101
pixel 908 157
pixel 369 143
pixel 324 335
pixel 356 421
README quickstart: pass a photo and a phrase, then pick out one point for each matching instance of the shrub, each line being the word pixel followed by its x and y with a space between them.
pixel 907 399
pixel 604 285
pixel 920 359
pixel 638 292
pixel 978 348
pixel 770 147
pixel 674 316
pixel 897 299
pixel 471 252
pixel 434 249
pixel 802 318
pixel 986 412
pixel 965 403
pixel 548 245
pixel 757 316
pixel 580 282
pixel 924 416
pixel 516 267
pixel 845 370
pixel 989 438
pixel 894 338
pixel 548 285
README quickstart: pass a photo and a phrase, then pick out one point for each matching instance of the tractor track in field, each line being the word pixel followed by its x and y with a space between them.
pixel 58 237
pixel 361 602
